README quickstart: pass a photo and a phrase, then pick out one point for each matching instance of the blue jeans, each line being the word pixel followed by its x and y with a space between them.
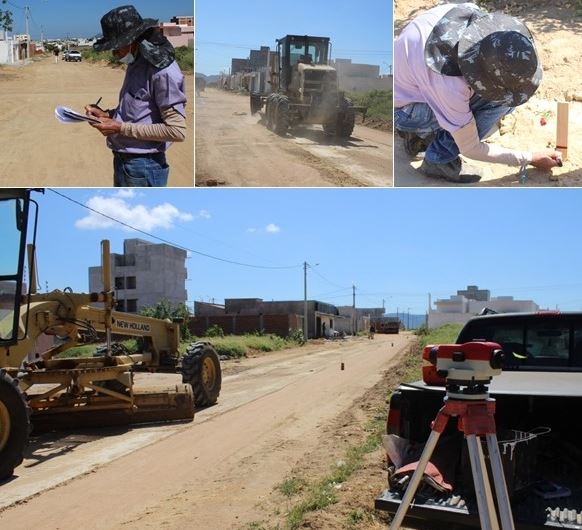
pixel 131 171
pixel 420 119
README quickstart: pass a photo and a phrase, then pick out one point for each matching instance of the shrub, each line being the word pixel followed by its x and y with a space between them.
pixel 165 309
pixel 379 103
pixel 296 336
pixel 214 331
pixel 185 58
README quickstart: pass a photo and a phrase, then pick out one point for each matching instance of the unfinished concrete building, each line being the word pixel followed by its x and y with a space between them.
pixel 145 274
pixel 246 315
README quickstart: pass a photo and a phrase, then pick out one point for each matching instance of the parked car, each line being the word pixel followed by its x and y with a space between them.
pixel 73 55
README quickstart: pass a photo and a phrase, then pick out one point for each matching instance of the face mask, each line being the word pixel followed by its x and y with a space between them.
pixel 127 59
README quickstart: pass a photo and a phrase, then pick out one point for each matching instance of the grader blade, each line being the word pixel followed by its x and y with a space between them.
pixel 104 411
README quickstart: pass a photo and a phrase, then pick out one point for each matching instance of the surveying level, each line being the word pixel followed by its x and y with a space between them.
pixel 466 371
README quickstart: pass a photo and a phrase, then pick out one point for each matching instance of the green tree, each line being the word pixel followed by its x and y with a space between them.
pixel 6 19
pixel 165 309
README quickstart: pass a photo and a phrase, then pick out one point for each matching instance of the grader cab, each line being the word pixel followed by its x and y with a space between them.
pixel 39 384
pixel 305 89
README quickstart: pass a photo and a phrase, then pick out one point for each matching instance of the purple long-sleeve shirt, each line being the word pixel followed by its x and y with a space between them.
pixel 146 91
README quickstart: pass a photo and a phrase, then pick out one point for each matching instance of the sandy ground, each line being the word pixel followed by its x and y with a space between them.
pixel 37 150
pixel 558 35
pixel 233 148
pixel 220 471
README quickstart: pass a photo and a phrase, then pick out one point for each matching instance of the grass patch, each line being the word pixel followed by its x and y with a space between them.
pixel 291 486
pixel 184 58
pixel 242 345
pixel 255 526
pixel 446 334
pixel 355 517
pixel 230 345
pixel 87 350
pixel 379 103
pixel 92 56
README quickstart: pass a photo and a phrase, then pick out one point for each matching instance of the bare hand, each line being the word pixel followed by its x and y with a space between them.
pixel 107 126
pixel 96 112
pixel 546 160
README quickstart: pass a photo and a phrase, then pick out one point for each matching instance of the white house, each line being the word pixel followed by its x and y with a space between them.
pixel 467 303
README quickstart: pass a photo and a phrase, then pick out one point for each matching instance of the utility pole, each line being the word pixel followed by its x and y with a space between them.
pixel 26 15
pixel 383 306
pixel 355 318
pixel 305 300
pixel 408 319
pixel 428 312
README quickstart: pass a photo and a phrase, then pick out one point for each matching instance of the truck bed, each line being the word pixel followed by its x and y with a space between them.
pixel 530 514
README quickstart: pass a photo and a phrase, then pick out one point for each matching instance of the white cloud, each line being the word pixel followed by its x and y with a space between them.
pixel 139 216
pixel 271 228
pixel 203 214
pixel 125 193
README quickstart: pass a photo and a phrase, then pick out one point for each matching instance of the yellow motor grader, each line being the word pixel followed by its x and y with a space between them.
pixel 44 389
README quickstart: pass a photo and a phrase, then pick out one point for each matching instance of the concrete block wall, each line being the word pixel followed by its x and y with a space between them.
pixel 243 324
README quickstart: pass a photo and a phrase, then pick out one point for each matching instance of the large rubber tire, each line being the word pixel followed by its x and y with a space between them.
pixel 14 425
pixel 282 116
pixel 271 110
pixel 343 125
pixel 346 119
pixel 255 103
pixel 200 368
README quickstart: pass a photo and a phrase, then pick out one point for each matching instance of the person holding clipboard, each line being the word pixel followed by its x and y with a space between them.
pixel 151 113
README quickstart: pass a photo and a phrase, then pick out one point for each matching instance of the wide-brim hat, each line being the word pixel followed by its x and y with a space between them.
pixel 494 52
pixel 122 26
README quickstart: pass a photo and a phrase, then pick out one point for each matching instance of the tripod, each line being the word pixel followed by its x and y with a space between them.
pixel 476 418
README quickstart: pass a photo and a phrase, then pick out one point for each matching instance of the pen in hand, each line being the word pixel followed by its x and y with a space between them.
pixel 98 101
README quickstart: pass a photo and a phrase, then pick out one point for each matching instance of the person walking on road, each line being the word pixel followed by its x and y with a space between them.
pixel 151 113
pixel 459 70
pixel 371 331
pixel 56 52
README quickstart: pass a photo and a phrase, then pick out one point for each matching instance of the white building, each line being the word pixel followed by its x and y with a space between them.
pixel 459 308
pixel 354 77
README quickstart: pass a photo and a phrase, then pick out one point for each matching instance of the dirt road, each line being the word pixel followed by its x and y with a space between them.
pixel 37 150
pixel 234 149
pixel 208 474
pixel 557 30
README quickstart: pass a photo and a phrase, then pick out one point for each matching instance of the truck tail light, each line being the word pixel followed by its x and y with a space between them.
pixel 393 423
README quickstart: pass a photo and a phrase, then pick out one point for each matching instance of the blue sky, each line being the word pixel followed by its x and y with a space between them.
pixel 60 18
pixel 361 31
pixel 393 244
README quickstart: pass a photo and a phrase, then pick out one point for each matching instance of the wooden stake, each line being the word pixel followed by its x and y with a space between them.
pixel 562 129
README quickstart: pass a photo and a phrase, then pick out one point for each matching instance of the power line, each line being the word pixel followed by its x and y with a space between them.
pixel 328 281
pixel 321 295
pixel 210 256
